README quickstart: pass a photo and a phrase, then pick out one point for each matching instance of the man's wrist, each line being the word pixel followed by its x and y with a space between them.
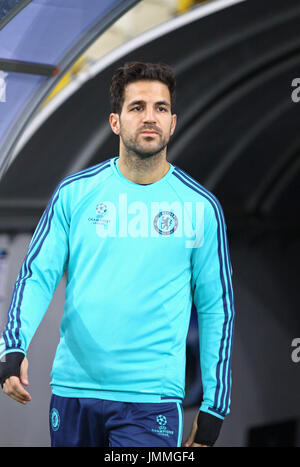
pixel 11 366
pixel 208 430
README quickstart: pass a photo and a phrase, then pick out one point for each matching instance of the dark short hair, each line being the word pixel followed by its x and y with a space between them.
pixel 137 71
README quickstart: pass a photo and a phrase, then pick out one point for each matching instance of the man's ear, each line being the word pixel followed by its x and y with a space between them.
pixel 114 120
pixel 173 124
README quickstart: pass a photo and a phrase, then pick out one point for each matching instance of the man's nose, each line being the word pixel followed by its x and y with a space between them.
pixel 149 115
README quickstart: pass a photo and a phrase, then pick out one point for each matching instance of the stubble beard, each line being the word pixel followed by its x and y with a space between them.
pixel 136 149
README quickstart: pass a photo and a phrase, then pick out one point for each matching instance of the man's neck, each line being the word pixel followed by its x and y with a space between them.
pixel 143 171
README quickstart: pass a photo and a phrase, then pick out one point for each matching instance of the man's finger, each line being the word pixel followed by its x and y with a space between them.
pixel 17 398
pixel 188 443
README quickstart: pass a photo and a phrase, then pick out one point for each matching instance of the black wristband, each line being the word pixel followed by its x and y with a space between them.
pixel 11 366
pixel 208 430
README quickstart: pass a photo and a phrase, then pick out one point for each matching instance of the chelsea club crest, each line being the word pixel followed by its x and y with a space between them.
pixel 165 222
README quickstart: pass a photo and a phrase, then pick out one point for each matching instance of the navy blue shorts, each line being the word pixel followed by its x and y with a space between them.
pixel 102 423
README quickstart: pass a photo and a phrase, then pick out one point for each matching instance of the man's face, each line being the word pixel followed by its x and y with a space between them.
pixel 145 123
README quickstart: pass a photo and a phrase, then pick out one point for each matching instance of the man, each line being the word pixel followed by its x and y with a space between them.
pixel 140 240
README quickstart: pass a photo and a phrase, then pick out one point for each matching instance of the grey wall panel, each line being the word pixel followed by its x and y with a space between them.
pixel 28 425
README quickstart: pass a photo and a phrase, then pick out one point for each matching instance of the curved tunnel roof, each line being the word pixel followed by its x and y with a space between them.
pixel 237 122
pixel 39 41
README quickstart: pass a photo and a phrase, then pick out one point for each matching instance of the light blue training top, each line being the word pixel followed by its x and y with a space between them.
pixel 136 257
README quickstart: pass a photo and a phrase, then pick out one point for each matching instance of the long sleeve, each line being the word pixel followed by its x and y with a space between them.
pixel 40 273
pixel 213 298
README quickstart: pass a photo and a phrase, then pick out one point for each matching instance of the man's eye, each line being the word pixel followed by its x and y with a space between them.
pixel 138 107
pixel 162 109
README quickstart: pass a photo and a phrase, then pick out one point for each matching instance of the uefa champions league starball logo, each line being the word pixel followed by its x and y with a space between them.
pixel 162 428
pixel 101 209
pixel 161 420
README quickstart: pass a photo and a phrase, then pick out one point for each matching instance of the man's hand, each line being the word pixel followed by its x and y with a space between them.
pixel 13 385
pixel 190 441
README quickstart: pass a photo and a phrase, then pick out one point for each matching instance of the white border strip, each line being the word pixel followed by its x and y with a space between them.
pixel 142 39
